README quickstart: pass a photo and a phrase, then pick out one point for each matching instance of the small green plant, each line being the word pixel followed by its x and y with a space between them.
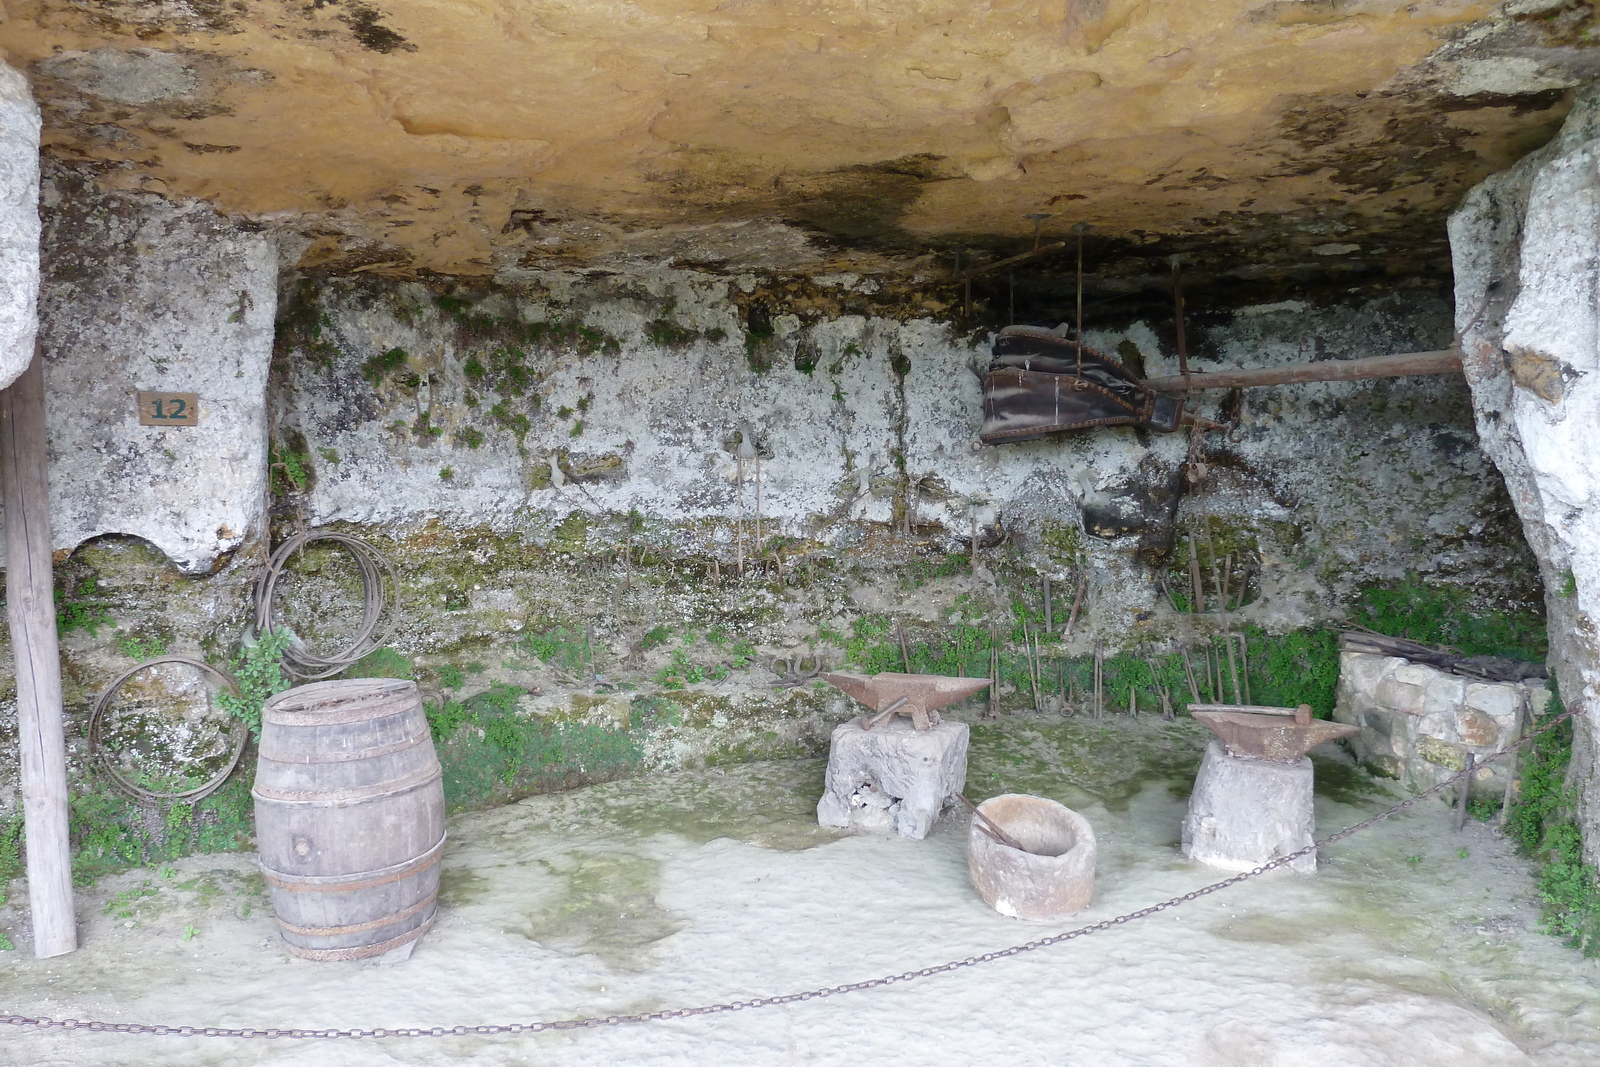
pixel 1414 860
pixel 382 662
pixel 6 945
pixel 447 474
pixel 577 429
pixel 654 638
pixel 1569 585
pixel 470 437
pixel 123 904
pixel 289 470
pixel 451 677
pixel 1461 853
pixel 189 932
pixel 168 872
pixel 425 429
pixel 681 671
pixel 445 718
pixel 1542 822
pixel 142 648
pixel 563 412
pixel 375 368
pixel 516 422
pixel 566 648
pixel 329 455
pixel 10 850
pixel 82 611
pixel 665 333
pixel 1484 809
pixel 259 672
pixel 474 369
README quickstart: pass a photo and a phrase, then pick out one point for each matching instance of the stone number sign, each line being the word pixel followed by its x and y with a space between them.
pixel 169 409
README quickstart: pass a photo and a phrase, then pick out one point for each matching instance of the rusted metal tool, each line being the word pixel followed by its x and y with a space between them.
pixel 1282 734
pixel 916 695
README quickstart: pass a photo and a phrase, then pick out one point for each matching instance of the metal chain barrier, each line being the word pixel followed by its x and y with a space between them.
pixel 596 1021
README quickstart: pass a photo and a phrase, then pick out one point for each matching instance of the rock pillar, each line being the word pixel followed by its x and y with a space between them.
pixel 1526 252
pixel 19 224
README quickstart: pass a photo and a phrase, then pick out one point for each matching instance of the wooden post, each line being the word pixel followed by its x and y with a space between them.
pixel 31 607
pixel 1464 792
pixel 1402 365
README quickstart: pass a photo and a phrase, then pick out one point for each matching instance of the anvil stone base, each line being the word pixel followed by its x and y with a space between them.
pixel 1246 812
pixel 893 777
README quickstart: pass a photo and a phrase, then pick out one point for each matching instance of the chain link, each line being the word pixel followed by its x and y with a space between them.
pixel 593 1022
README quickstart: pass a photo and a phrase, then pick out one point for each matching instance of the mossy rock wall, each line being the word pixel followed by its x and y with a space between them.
pixel 586 595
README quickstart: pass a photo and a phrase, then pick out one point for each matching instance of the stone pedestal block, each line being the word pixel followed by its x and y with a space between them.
pixel 1246 812
pixel 893 777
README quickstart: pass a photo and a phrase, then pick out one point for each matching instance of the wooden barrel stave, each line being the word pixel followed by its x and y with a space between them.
pixel 349 817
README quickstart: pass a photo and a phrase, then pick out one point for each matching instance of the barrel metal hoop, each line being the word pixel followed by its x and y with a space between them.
pixel 361 952
pixel 343 883
pixel 338 798
pixel 346 704
pixel 283 755
pixel 344 713
pixel 357 928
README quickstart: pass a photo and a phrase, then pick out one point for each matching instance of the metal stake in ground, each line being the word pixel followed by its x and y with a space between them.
pixel 1077 601
pixel 1463 791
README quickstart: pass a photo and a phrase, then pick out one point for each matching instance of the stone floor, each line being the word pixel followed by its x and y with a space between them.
pixel 1412 945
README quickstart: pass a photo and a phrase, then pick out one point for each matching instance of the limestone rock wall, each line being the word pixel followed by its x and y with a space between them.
pixel 1527 255
pixel 19 224
pixel 554 465
pixel 144 294
pixel 1418 722
pixel 519 407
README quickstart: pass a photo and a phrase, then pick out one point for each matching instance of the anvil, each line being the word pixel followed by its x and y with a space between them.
pixel 1281 734
pixel 892 693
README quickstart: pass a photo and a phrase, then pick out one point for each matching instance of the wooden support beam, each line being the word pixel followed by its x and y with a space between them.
pixel 1328 370
pixel 1000 264
pixel 30 604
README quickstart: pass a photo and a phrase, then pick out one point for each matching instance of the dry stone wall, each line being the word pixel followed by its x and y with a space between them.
pixel 1419 722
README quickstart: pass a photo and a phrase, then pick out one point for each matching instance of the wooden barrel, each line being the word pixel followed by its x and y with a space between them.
pixel 349 817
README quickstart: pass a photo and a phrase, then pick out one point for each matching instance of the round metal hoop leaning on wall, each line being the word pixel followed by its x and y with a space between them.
pixel 98 753
pixel 379 609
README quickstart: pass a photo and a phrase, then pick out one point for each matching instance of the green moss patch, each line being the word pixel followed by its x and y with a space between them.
pixel 1543 823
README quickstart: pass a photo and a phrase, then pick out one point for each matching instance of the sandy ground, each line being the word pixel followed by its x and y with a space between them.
pixel 1412 945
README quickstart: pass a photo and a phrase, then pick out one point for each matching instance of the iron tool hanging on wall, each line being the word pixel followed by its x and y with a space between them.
pixel 1040 383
